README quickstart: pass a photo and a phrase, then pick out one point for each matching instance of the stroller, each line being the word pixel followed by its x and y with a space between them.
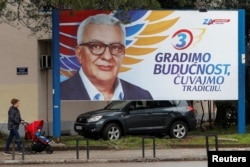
pixel 37 144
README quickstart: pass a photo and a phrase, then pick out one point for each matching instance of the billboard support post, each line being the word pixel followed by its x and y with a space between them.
pixel 56 76
pixel 241 86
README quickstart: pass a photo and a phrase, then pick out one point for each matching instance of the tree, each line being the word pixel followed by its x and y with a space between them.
pixel 18 13
pixel 36 14
pixel 177 4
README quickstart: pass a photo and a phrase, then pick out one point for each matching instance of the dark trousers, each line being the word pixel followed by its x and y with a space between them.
pixel 13 133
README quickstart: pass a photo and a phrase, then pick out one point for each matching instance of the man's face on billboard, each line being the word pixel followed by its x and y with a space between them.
pixel 101 52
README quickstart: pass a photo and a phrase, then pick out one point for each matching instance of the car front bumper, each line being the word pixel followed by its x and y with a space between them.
pixel 88 130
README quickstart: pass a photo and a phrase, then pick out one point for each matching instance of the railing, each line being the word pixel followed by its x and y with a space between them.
pixel 207 136
pixel 13 148
pixel 77 147
pixel 143 145
pixel 215 140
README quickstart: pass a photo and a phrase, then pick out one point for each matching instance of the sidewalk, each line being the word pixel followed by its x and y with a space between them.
pixel 67 155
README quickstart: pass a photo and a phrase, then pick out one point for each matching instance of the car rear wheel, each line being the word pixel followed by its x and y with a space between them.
pixel 111 131
pixel 178 130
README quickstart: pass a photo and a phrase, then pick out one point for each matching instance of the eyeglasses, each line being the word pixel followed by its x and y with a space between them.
pixel 98 48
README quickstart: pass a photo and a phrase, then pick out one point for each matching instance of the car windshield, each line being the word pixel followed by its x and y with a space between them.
pixel 117 105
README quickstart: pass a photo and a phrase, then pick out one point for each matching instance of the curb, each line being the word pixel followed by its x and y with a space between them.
pixel 73 161
pixel 62 147
pixel 65 148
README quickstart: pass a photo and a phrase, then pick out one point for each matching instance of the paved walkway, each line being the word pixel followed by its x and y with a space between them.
pixel 71 156
pixel 107 156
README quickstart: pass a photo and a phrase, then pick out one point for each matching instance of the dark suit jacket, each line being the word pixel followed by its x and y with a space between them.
pixel 73 89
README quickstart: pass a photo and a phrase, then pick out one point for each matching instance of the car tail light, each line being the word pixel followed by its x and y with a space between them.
pixel 190 108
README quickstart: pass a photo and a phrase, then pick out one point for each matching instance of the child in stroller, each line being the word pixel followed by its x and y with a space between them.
pixel 41 137
pixel 33 131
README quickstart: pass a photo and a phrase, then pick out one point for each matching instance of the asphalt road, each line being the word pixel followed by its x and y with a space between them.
pixel 134 164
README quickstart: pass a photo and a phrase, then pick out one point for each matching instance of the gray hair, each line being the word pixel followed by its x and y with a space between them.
pixel 104 19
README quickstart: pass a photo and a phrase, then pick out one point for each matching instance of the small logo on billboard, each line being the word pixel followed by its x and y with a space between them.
pixel 215 21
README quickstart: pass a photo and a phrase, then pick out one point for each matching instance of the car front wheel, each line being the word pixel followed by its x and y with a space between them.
pixel 178 130
pixel 111 131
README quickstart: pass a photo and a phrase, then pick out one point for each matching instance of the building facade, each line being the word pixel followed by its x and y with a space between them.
pixel 23 77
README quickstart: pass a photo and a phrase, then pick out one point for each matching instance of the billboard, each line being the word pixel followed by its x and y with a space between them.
pixel 156 54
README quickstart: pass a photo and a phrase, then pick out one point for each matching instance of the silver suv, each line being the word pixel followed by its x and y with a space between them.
pixel 118 118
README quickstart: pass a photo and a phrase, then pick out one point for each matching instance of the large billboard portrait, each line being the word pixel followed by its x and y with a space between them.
pixel 148 55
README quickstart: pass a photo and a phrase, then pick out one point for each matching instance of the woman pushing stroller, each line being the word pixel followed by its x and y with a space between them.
pixel 14 119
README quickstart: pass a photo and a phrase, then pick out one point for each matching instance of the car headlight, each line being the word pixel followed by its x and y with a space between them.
pixel 94 118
